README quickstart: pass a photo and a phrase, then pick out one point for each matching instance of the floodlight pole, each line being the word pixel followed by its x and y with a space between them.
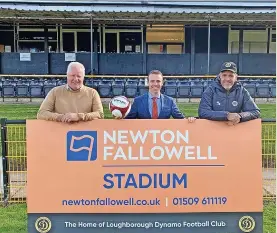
pixel 91 47
pixel 14 38
pixel 209 44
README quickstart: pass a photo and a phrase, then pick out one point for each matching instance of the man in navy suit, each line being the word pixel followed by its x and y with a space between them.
pixel 154 105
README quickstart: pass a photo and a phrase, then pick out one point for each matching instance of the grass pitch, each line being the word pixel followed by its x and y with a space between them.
pixel 13 219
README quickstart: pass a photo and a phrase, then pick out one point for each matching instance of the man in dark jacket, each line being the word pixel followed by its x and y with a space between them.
pixel 227 100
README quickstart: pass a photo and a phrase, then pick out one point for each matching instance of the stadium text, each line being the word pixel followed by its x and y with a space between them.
pixel 143 180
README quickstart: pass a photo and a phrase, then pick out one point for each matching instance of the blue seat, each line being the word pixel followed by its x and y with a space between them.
pixel 61 82
pixel 22 89
pixel 266 81
pixel 104 88
pixel 89 83
pixel 8 90
pixel 197 89
pixel 123 80
pixel 195 80
pixel 263 90
pixel 251 88
pixel 8 81
pixel 98 80
pixel 47 87
pixel 24 81
pixel 118 87
pixel 272 88
pixel 255 81
pixel 184 89
pixel 206 83
pixel 243 81
pixel 134 80
pixel 170 88
pixel 95 84
pixel 131 88
pixel 107 80
pixel 142 88
pixel 36 90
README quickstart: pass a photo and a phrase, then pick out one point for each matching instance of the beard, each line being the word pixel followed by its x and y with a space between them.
pixel 227 86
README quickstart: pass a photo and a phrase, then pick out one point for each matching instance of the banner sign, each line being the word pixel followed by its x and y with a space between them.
pixel 125 175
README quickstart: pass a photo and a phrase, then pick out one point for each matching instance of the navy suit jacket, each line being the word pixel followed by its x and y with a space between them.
pixel 140 109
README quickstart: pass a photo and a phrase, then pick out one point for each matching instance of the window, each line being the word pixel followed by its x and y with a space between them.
pixel 273 37
pixel 77 39
pixel 165 34
pixel 32 40
pixel 83 41
pixel 36 36
pixel 69 42
pixel 111 42
pixel 6 40
pixel 165 39
pixel 122 40
pixel 130 42
pixel 255 41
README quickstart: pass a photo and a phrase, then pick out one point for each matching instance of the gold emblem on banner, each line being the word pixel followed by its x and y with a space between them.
pixel 43 225
pixel 247 224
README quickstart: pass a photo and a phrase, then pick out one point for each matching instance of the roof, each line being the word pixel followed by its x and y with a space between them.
pixel 234 3
pixel 139 12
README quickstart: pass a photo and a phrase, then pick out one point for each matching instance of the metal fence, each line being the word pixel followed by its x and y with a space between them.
pixel 13 169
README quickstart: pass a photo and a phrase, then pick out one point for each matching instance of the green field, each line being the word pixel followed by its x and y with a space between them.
pixel 13 218
pixel 24 111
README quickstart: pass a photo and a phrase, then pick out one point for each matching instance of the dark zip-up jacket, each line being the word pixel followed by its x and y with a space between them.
pixel 216 103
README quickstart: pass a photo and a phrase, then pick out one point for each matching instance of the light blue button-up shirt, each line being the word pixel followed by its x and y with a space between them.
pixel 150 103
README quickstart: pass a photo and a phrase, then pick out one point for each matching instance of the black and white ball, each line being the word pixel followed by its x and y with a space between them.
pixel 120 106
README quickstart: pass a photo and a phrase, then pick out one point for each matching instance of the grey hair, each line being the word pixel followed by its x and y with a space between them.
pixel 75 64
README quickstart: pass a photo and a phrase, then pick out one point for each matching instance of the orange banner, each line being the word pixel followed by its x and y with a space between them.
pixel 144 166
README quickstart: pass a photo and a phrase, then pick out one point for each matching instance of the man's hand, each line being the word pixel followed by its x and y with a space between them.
pixel 70 117
pixel 60 118
pixel 234 117
pixel 117 117
pixel 191 119
pixel 232 123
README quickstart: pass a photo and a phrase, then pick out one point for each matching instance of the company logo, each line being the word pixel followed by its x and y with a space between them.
pixel 228 64
pixel 235 103
pixel 43 225
pixel 81 145
pixel 247 224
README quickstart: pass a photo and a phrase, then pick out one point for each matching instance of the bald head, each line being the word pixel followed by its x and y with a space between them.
pixel 75 75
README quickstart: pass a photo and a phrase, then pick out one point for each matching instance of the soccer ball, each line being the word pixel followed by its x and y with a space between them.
pixel 120 106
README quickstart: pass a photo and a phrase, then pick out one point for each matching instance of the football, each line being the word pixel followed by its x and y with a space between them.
pixel 120 106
